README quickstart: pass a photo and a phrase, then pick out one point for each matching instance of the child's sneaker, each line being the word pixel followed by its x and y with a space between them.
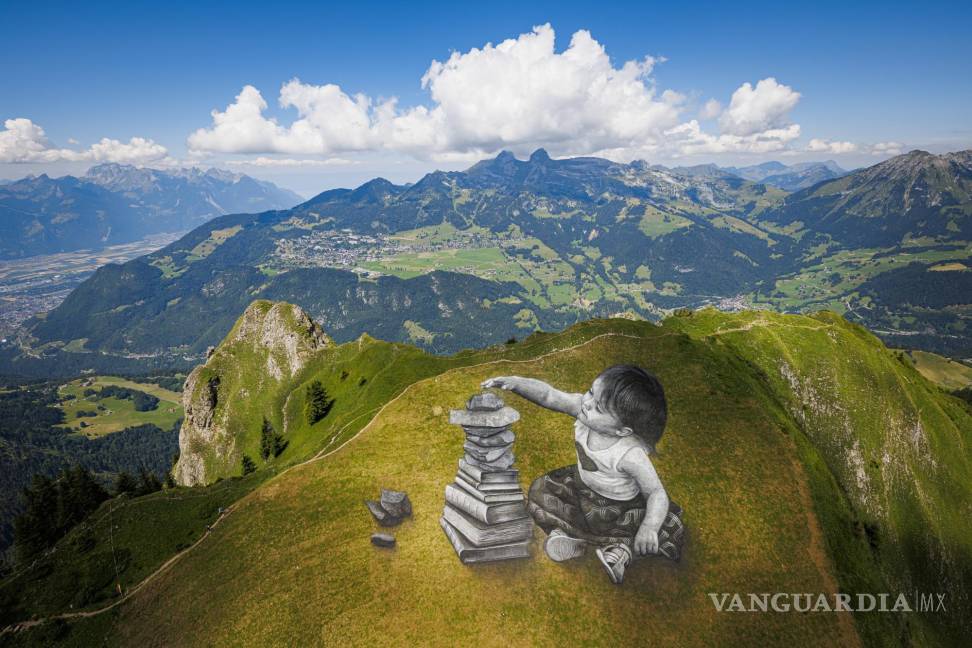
pixel 615 558
pixel 560 546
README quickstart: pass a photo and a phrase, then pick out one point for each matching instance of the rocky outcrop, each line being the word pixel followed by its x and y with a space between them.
pixel 270 343
pixel 200 396
pixel 284 331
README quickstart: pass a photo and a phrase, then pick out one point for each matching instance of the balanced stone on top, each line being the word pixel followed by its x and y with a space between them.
pixel 484 402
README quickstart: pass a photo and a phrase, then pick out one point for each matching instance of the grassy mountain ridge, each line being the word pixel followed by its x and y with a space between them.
pixel 766 411
pixel 147 541
pixel 896 445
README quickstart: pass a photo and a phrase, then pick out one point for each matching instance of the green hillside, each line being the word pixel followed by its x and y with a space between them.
pixel 945 372
pixel 807 456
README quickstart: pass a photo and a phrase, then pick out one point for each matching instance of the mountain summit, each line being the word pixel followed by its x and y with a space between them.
pixel 914 195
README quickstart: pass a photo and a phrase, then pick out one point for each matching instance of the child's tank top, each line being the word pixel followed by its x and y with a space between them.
pixel 599 468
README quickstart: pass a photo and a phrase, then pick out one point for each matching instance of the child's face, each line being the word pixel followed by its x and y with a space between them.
pixel 597 417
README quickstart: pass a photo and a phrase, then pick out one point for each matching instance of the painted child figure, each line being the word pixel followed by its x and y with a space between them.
pixel 612 498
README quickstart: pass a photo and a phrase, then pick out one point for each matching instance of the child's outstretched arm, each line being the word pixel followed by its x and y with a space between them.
pixel 636 463
pixel 538 392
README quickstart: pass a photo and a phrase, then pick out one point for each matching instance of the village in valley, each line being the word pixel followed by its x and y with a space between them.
pixel 372 255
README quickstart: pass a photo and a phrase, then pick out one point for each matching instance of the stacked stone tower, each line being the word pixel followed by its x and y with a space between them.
pixel 485 515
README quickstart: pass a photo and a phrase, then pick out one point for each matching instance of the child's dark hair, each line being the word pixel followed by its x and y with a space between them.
pixel 637 398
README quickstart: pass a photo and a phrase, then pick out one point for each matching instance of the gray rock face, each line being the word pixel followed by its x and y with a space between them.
pixel 285 331
pixel 200 395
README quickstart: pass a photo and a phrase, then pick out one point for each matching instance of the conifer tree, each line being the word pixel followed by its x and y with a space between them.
pixel 271 443
pixel 125 483
pixel 148 482
pixel 247 465
pixel 316 402
pixel 266 440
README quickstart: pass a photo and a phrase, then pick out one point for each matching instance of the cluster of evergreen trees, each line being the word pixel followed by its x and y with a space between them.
pixel 317 405
pixel 271 445
pixel 53 506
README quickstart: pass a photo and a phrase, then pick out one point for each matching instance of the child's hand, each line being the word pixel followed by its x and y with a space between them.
pixel 646 542
pixel 499 382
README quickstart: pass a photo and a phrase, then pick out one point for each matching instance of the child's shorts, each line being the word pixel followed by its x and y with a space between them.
pixel 560 500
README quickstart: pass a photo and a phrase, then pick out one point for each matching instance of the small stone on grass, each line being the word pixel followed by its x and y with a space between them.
pixel 382 540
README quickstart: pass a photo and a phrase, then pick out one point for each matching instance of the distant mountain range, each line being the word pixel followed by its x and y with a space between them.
pixel 789 178
pixel 462 259
pixel 116 203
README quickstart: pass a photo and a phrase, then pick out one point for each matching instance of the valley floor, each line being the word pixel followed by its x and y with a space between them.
pixel 40 283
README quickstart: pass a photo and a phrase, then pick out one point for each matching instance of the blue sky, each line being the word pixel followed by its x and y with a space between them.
pixel 863 80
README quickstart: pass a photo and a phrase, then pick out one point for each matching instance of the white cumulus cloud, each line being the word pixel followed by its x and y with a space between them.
pixel 518 94
pixel 710 109
pixel 137 150
pixel 755 110
pixel 263 161
pixel 23 141
pixel 690 139
pixel 828 146
pixel 887 148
